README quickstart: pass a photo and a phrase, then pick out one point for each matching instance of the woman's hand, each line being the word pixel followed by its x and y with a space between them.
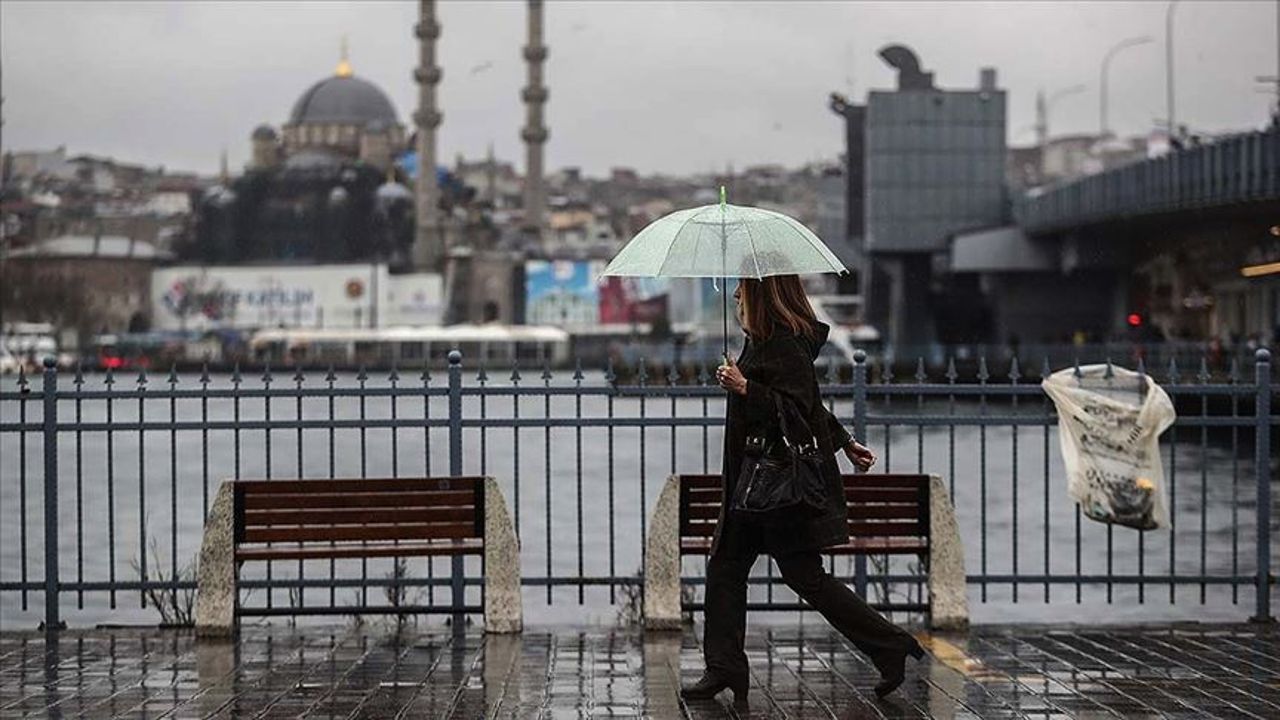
pixel 731 378
pixel 860 455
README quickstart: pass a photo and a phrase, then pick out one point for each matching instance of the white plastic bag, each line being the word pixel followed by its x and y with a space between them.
pixel 1110 430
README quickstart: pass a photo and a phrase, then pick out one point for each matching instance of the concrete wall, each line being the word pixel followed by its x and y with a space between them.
pixel 1049 307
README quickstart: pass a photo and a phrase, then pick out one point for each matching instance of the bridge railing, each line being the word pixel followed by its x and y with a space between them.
pixel 106 482
pixel 1234 170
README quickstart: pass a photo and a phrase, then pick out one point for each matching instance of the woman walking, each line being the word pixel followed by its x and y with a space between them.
pixel 776 364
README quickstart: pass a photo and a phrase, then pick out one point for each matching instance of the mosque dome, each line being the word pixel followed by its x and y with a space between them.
pixel 343 99
pixel 392 191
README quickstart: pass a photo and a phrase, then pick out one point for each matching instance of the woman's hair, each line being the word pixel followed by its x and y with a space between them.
pixel 777 299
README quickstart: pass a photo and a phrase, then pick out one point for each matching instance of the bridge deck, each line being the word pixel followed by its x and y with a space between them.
pixel 1193 671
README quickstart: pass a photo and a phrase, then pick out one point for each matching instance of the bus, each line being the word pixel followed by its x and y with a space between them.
pixel 409 346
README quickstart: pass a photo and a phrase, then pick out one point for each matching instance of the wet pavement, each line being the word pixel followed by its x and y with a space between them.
pixel 370 671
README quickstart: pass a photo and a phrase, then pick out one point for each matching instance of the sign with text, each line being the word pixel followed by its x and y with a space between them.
pixel 195 297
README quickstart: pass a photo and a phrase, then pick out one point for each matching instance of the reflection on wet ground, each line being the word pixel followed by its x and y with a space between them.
pixel 1192 671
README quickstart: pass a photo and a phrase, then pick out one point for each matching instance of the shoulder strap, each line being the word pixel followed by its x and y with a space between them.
pixel 784 408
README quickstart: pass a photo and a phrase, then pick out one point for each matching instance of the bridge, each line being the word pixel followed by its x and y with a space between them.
pixel 1185 246
pixel 1241 172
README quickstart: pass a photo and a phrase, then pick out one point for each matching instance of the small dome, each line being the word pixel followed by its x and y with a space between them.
pixel 391 191
pixel 220 195
pixel 346 100
pixel 264 132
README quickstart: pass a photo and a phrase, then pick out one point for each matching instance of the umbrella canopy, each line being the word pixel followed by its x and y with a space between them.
pixel 724 241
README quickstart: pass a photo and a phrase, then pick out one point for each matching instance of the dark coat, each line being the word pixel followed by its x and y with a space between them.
pixel 782 364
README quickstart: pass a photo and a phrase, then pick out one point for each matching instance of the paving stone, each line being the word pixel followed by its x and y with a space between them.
pixel 270 671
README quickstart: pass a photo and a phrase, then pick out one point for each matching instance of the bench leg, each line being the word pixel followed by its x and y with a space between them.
pixel 502 602
pixel 216 574
pixel 662 561
pixel 948 603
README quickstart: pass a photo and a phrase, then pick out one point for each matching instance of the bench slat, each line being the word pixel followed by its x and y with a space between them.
pixel 305 533
pixel 886 511
pixel 702 495
pixel 315 552
pixel 357 485
pixel 442 498
pixel 707 528
pixel 885 481
pixel 327 516
pixel 700 528
pixel 891 511
pixel 889 495
pixel 700 481
pixel 702 510
pixel 856 546
pixel 885 529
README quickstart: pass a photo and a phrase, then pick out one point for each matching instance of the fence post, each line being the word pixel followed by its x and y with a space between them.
pixel 860 434
pixel 50 394
pixel 1262 471
pixel 455 469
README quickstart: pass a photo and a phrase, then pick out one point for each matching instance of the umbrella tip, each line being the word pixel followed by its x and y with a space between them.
pixel 722 196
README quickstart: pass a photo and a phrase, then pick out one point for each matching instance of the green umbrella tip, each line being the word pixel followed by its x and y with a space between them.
pixel 722 196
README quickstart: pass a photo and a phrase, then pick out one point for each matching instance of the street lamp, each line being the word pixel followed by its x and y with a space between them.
pixel 1106 64
pixel 1168 65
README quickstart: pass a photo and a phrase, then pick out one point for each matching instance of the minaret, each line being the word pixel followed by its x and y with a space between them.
pixel 428 245
pixel 491 178
pixel 534 133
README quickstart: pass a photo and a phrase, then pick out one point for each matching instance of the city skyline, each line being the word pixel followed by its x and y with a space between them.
pixel 656 86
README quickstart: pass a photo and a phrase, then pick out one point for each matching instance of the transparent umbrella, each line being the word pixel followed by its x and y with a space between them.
pixel 725 241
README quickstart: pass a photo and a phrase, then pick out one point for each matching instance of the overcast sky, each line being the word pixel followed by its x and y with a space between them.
pixel 670 87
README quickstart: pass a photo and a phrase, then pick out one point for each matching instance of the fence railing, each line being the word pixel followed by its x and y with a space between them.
pixel 106 481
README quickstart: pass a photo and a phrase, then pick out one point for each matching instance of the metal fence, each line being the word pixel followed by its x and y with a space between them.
pixel 106 481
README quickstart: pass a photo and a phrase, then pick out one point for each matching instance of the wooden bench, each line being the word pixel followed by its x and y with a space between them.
pixel 888 515
pixel 264 520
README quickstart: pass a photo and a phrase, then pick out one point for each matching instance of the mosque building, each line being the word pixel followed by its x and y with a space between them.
pixel 324 188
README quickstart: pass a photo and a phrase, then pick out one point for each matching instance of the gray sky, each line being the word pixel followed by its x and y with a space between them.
pixel 672 87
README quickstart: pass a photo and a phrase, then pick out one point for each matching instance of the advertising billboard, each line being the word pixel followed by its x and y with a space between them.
pixel 565 293
pixel 196 297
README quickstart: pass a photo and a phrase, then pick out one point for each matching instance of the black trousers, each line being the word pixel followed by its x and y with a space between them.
pixel 726 604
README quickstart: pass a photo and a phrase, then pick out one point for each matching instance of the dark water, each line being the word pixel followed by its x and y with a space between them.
pixel 582 494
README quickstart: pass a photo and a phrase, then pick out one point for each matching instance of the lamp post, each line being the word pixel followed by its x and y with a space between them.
pixel 1106 64
pixel 1168 66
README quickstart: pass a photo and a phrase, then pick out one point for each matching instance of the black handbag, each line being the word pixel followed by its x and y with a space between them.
pixel 781 483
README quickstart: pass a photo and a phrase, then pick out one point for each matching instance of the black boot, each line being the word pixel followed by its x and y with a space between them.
pixel 710 684
pixel 893 672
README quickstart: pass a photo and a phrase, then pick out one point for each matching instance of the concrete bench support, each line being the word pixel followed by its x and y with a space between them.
pixel 948 602
pixel 662 561
pixel 216 574
pixel 503 610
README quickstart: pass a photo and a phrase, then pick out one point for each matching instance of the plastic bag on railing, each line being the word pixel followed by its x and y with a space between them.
pixel 1109 424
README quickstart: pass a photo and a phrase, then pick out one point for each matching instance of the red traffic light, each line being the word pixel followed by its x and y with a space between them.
pixel 1135 320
